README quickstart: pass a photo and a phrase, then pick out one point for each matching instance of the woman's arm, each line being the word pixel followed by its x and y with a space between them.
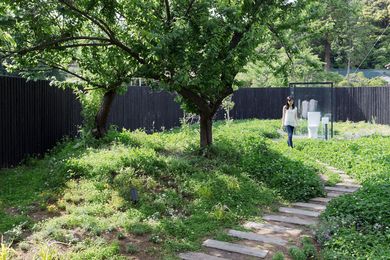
pixel 283 115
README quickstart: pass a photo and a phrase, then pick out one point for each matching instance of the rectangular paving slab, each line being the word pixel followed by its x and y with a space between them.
pixel 346 178
pixel 236 248
pixel 269 228
pixel 326 200
pixel 348 185
pixel 340 189
pixel 199 256
pixel 256 237
pixel 309 205
pixel 291 220
pixel 302 212
pixel 333 194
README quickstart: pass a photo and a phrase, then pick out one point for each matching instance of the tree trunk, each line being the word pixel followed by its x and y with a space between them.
pixel 102 115
pixel 206 130
pixel 348 69
pixel 328 55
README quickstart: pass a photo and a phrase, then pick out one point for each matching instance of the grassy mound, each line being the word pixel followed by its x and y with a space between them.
pixel 82 190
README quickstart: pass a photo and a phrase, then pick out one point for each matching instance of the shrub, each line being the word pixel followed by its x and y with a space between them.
pixel 296 253
pixel 278 256
pixel 309 249
pixel 366 209
pixel 292 178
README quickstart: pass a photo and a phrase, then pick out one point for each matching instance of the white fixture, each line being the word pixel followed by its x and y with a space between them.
pixel 313 122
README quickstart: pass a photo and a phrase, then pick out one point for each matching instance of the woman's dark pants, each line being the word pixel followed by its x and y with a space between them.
pixel 290 131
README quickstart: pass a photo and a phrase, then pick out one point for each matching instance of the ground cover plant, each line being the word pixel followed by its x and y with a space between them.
pixel 78 199
pixel 356 226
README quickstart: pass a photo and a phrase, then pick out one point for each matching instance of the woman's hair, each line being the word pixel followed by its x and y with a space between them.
pixel 287 104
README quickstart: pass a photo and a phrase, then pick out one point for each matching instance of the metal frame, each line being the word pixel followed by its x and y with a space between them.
pixel 292 86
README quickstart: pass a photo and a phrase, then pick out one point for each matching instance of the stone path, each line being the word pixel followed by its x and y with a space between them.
pixel 280 231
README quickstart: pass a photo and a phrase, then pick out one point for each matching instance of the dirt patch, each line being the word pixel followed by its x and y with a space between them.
pixel 144 249
pixel 33 250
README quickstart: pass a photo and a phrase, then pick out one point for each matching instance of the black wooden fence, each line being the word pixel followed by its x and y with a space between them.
pixel 34 116
pixel 143 108
pixel 363 104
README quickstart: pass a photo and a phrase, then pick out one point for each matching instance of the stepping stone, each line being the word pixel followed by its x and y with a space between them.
pixel 333 194
pixel 257 237
pixel 291 220
pixel 339 189
pixel 348 185
pixel 236 248
pixel 269 228
pixel 346 178
pixel 309 205
pixel 199 256
pixel 299 212
pixel 325 200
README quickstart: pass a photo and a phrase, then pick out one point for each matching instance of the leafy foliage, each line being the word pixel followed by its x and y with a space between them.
pixel 182 197
pixel 356 225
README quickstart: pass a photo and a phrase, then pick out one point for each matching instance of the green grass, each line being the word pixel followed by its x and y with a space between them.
pixel 82 189
pixel 356 226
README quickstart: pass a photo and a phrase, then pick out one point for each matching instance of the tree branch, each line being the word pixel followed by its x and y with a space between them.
pixel 281 41
pixel 168 12
pixel 103 25
pixel 46 45
pixel 57 66
pixel 202 105
pixel 99 22
pixel 82 45
pixel 189 8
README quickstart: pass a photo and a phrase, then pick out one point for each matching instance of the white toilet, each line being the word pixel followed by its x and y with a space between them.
pixel 313 123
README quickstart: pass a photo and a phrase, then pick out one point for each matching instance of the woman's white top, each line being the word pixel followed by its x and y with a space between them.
pixel 290 117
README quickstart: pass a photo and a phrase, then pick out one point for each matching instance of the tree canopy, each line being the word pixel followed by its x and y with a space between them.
pixel 194 48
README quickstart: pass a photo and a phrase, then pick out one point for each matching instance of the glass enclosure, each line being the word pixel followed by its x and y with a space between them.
pixel 315 104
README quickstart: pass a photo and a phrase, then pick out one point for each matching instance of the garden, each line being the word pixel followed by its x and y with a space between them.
pixel 76 203
pixel 152 129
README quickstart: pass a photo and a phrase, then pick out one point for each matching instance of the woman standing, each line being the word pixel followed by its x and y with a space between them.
pixel 290 119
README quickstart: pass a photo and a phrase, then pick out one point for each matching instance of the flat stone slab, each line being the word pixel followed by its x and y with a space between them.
pixel 333 194
pixel 256 237
pixel 236 248
pixel 346 178
pixel 340 189
pixel 291 220
pixel 326 200
pixel 269 228
pixel 302 212
pixel 309 205
pixel 199 256
pixel 348 185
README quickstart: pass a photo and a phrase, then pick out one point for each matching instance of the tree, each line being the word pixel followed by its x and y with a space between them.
pixel 195 48
pixel 205 44
pixel 303 67
pixel 59 35
pixel 329 20
pixel 377 13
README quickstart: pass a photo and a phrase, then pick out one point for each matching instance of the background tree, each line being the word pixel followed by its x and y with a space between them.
pixel 377 14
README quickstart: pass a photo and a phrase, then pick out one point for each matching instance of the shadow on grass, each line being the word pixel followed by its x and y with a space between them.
pixel 182 197
pixel 29 188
